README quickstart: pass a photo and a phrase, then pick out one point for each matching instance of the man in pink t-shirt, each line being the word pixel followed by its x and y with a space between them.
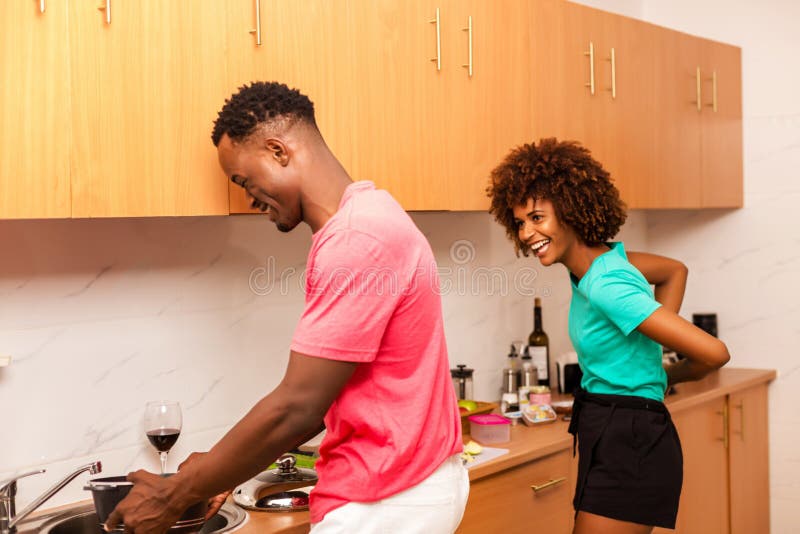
pixel 368 356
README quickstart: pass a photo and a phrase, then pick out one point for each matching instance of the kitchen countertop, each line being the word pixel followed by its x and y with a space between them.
pixel 531 443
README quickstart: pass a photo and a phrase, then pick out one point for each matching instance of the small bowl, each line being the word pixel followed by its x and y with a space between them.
pixel 107 492
pixel 562 407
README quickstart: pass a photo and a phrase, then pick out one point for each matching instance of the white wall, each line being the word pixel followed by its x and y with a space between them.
pixel 101 316
pixel 743 263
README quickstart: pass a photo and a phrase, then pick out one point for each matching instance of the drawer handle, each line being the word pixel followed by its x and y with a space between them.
pixel 41 6
pixel 548 484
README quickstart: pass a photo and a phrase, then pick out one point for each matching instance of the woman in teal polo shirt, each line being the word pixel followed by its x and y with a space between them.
pixel 558 204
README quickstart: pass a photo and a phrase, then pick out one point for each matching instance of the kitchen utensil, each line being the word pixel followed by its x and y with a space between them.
pixel 107 492
pixel 287 477
pixel 462 381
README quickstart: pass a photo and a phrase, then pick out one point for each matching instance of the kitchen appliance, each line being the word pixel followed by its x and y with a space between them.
pixel 706 321
pixel 107 492
pixel 462 381
pixel 568 372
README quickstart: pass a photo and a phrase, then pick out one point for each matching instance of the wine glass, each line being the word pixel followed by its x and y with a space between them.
pixel 162 423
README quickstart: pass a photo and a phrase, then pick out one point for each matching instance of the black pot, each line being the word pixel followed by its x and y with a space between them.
pixel 107 492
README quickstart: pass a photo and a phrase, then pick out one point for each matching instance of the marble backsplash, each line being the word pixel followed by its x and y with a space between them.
pixel 103 315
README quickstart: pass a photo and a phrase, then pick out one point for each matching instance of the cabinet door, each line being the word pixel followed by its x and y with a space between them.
pixel 489 111
pixel 399 96
pixel 34 111
pixel 146 88
pixel 749 461
pixel 306 45
pixel 721 74
pixel 628 86
pixel 572 100
pixel 676 172
pixel 704 497
pixel 507 502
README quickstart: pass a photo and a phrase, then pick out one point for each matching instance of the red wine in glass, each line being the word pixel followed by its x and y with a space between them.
pixel 164 438
pixel 163 422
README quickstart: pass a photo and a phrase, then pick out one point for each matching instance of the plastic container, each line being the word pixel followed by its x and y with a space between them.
pixel 540 395
pixel 490 428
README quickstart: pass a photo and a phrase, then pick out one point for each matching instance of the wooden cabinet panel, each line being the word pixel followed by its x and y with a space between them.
pixel 505 502
pixel 308 46
pixel 749 461
pixel 704 497
pixel 721 74
pixel 676 173
pixel 145 91
pixel 34 111
pixel 489 112
pixel 400 95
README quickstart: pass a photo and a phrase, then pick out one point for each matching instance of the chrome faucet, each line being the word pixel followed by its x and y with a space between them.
pixel 8 492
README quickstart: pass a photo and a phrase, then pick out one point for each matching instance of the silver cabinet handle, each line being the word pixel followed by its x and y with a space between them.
pixel 41 6
pixel 107 9
pixel 590 53
pixel 438 58
pixel 468 29
pixel 257 31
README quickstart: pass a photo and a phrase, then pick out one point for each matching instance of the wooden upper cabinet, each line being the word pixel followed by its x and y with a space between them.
pixel 309 47
pixel 34 111
pixel 721 80
pixel 597 89
pixel 487 56
pixel 145 90
pixel 749 461
pixel 400 97
pixel 572 93
pixel 676 176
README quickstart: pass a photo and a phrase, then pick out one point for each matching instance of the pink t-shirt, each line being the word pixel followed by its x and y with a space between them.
pixel 372 296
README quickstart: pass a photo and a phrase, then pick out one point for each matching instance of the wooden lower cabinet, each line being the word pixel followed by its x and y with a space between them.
pixel 506 502
pixel 749 461
pixel 725 465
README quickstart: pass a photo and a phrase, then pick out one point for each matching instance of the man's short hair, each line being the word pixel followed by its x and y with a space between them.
pixel 261 103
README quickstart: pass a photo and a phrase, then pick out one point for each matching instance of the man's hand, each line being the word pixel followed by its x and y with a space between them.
pixel 214 503
pixel 150 507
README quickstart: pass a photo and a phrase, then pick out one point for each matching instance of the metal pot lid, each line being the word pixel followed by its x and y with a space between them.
pixel 285 501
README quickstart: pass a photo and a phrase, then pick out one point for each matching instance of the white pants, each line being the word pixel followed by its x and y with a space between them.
pixel 434 506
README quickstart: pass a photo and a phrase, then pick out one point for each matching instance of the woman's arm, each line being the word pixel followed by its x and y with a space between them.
pixel 667 275
pixel 704 353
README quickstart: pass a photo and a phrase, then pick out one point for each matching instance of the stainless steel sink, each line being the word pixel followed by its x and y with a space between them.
pixel 83 520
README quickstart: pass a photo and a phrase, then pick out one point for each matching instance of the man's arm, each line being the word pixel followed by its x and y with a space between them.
pixel 667 275
pixel 274 425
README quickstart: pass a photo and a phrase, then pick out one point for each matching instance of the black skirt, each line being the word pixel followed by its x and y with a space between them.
pixel 630 464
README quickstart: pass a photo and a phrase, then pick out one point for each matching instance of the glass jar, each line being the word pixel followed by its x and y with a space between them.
pixel 462 381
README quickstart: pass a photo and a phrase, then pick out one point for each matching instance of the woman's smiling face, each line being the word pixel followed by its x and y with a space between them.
pixel 540 231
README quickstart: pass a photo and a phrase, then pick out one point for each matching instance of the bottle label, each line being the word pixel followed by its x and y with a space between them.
pixel 539 357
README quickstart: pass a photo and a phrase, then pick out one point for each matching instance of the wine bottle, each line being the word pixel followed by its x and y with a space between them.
pixel 539 346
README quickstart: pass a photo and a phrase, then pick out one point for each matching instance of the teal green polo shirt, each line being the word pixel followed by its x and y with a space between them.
pixel 608 304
